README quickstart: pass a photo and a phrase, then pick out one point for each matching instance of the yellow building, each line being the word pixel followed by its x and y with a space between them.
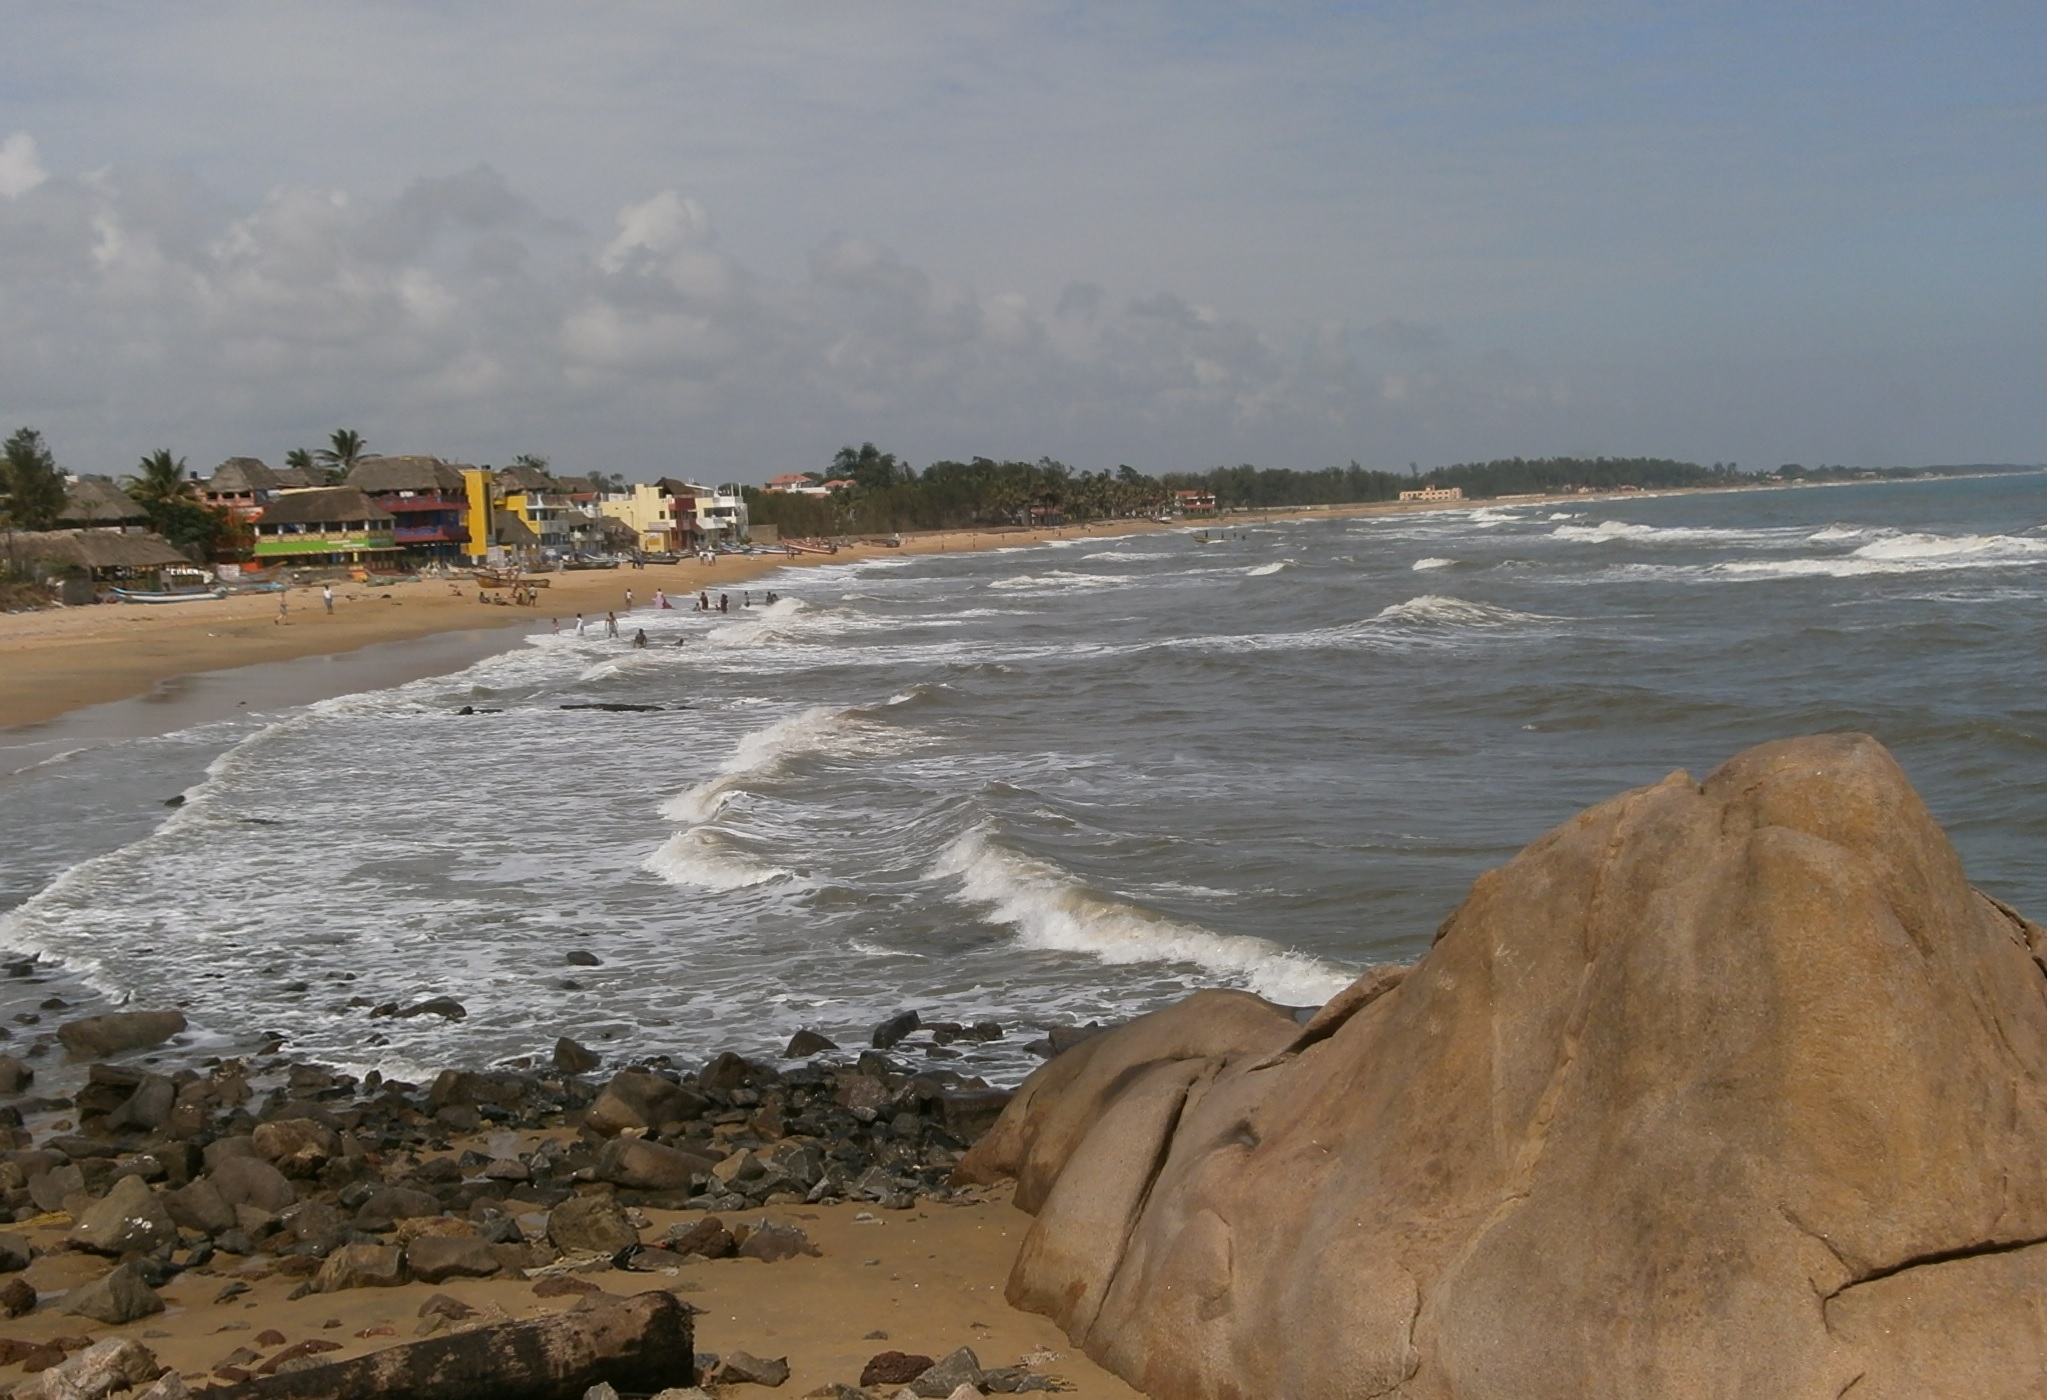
pixel 650 511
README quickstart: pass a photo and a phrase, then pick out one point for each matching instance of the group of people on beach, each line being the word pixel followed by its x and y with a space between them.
pixel 661 600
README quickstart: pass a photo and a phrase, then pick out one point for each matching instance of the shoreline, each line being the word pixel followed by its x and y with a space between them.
pixel 59 661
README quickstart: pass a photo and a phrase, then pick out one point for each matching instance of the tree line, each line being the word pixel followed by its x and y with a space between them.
pixel 885 493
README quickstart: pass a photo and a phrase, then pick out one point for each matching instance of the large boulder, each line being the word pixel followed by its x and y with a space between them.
pixel 590 1225
pixel 131 1218
pixel 1720 1089
pixel 639 1165
pixel 96 1037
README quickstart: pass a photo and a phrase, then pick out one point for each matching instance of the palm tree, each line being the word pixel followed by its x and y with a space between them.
pixel 346 448
pixel 298 459
pixel 161 480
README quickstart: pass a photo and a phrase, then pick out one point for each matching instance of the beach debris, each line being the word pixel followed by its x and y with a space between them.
pixel 638 1345
pixel 112 1033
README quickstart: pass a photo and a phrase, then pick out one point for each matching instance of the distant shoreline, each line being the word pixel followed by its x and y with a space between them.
pixel 60 661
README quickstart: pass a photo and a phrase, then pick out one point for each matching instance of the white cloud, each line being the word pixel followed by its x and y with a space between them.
pixel 20 170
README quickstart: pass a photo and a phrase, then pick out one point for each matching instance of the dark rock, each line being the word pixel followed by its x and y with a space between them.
pixel 889 1032
pixel 894 1368
pixel 199 1206
pixel 590 1225
pixel 96 1037
pixel 361 1266
pixel 131 1218
pixel 639 1165
pixel 707 1238
pixel 772 1243
pixel 119 1297
pixel 1064 1038
pixel 386 1207
pixel 298 1147
pixel 447 1007
pixel 578 958
pixel 14 1254
pixel 967 1113
pixel 148 1108
pixel 637 1099
pixel 250 1181
pixel 15 1075
pixel 17 1297
pixel 744 1368
pixel 806 1043
pixel 959 1368
pixel 441 1305
pixel 432 1258
pixel 317 1225
pixel 725 1073
pixel 572 1058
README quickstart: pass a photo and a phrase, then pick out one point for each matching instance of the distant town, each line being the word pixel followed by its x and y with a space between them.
pixel 68 536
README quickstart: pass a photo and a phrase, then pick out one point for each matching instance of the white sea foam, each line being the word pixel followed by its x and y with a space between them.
pixel 1265 569
pixel 705 858
pixel 1834 533
pixel 1900 554
pixel 1050 909
pixel 1441 610
pixel 1057 581
pixel 1421 565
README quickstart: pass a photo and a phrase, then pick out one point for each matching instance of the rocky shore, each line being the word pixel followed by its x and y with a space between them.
pixel 158 1191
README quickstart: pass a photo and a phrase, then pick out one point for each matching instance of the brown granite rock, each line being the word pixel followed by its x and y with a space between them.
pixel 1733 1088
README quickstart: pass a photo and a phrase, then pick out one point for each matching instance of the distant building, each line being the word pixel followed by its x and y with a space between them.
pixel 1434 493
pixel 650 513
pixel 1194 502
pixel 242 486
pixel 428 500
pixel 75 561
pixel 326 525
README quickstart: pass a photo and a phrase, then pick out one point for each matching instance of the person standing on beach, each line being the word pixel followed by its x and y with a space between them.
pixel 327 597
pixel 283 607
pixel 579 624
pixel 629 600
pixel 555 626
pixel 724 602
pixel 611 624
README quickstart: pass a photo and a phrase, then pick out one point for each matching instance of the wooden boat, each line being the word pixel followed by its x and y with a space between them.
pixel 489 578
pixel 129 595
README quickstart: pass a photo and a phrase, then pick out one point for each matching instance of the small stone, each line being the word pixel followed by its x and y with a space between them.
pixel 296 1146
pixel 889 1032
pixel 772 1243
pixel 99 1370
pixel 744 1368
pixel 563 1286
pixel 120 1297
pixel 385 1208
pixel 578 958
pixel 441 1305
pixel 432 1258
pixel 639 1165
pixel 600 1391
pixel 17 1297
pixel 14 1254
pixel 15 1075
pixel 446 1007
pixel 707 1238
pixel 806 1043
pixel 637 1099
pixel 249 1180
pixel 894 1368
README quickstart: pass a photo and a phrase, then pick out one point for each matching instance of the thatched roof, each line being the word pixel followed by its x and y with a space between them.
pixel 93 549
pixel 238 476
pixel 326 505
pixel 295 478
pixel 90 502
pixel 380 474
pixel 511 528
pixel 525 479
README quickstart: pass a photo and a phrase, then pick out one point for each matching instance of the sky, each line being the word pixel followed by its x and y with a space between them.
pixel 723 240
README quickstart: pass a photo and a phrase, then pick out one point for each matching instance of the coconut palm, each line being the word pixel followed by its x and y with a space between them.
pixel 299 459
pixel 345 448
pixel 160 480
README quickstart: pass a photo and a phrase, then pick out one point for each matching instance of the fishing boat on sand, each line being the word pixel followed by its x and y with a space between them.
pixel 182 595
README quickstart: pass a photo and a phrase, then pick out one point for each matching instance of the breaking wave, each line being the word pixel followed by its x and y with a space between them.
pixel 1422 565
pixel 1052 910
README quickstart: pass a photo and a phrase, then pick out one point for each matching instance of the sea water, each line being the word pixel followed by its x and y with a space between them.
pixel 1040 785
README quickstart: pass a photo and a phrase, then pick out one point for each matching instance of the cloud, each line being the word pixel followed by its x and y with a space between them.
pixel 20 170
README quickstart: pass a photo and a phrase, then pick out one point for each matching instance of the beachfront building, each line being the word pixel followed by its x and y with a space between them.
pixel 540 501
pixel 95 504
pixel 242 486
pixel 706 515
pixel 650 513
pixel 1434 493
pixel 428 500
pixel 326 525
pixel 75 563
pixel 1194 502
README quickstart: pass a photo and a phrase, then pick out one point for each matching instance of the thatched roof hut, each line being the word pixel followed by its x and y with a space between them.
pixel 101 553
pixel 89 502
pixel 511 529
pixel 382 475
pixel 325 505
pixel 241 476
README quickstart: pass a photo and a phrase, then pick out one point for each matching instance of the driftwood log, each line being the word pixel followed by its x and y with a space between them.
pixel 643 1344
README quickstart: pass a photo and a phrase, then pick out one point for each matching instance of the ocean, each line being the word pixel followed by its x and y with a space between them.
pixel 1039 785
